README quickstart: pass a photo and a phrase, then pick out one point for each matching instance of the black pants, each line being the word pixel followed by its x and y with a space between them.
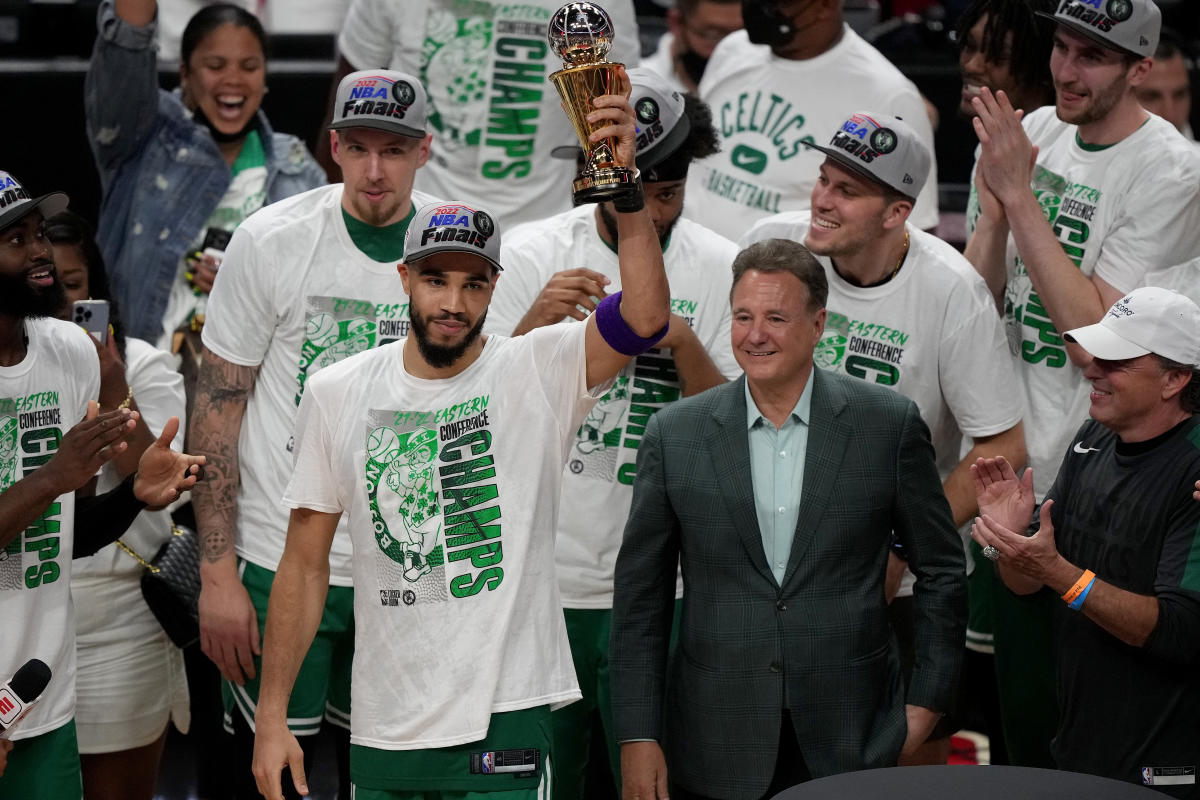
pixel 790 768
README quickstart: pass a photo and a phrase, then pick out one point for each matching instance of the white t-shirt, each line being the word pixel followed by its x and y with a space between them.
pixel 450 488
pixel 764 107
pixel 42 398
pixel 1119 211
pixel 663 63
pixel 1183 278
pixel 597 487
pixel 493 114
pixel 293 296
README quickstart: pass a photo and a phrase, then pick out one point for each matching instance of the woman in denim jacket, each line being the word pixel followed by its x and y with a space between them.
pixel 168 160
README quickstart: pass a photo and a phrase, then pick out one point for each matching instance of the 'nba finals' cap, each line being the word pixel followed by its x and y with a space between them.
pixel 882 148
pixel 1130 26
pixel 1147 320
pixel 661 125
pixel 15 202
pixel 455 228
pixel 383 100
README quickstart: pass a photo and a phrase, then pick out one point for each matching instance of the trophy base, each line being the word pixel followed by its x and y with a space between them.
pixel 600 185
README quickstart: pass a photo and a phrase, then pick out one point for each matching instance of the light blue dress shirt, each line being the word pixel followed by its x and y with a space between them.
pixel 777 475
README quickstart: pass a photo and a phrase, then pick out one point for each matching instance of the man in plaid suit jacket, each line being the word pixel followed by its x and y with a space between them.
pixel 785 667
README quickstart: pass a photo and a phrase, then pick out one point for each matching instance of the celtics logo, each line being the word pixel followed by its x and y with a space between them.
pixel 883 140
pixel 1119 10
pixel 647 110
pixel 402 488
pixel 829 351
pixel 404 93
pixel 483 223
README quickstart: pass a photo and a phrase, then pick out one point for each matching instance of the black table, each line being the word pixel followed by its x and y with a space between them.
pixel 969 782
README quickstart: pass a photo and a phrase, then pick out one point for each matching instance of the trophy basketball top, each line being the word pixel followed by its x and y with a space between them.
pixel 581 33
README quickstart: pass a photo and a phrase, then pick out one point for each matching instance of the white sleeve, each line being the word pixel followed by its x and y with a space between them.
pixel 559 363
pixel 366 37
pixel 314 479
pixel 157 388
pixel 1159 218
pixel 1183 278
pixel 976 371
pixel 240 317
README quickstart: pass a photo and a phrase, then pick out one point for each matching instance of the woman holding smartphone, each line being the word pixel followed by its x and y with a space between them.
pixel 179 170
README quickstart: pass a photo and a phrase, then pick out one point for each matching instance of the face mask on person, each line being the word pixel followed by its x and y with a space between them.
pixel 693 64
pixel 766 23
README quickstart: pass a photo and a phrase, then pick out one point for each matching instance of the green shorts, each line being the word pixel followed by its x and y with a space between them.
pixel 460 771
pixel 322 688
pixel 44 766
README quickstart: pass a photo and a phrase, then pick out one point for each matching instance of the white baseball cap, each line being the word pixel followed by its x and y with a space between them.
pixel 381 99
pixel 882 148
pixel 1147 320
pixel 454 228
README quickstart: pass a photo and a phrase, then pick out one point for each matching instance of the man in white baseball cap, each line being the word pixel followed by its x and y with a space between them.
pixel 1117 538
pixel 305 283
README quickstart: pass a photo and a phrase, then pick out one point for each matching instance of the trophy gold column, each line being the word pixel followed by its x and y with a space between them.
pixel 581 33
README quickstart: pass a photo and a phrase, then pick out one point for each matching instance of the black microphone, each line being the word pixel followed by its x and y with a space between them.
pixel 18 696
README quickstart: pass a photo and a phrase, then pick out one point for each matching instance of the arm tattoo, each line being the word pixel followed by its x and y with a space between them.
pixel 222 390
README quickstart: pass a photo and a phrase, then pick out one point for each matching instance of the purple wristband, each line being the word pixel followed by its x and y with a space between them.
pixel 617 333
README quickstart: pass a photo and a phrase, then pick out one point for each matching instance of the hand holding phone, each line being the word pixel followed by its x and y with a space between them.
pixel 92 316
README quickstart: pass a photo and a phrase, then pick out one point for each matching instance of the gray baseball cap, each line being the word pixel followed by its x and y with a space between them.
pixel 383 100
pixel 1129 26
pixel 882 148
pixel 15 202
pixel 452 228
pixel 659 117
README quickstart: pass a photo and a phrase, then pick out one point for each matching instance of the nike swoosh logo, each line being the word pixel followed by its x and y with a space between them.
pixel 1079 448
pixel 749 159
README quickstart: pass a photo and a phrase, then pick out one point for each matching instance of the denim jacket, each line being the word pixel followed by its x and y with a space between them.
pixel 161 173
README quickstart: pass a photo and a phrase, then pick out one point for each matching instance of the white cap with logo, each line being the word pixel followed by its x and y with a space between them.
pixel 381 99
pixel 1130 26
pixel 1147 320
pixel 885 149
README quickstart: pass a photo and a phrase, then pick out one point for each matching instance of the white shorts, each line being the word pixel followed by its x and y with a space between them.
pixel 130 680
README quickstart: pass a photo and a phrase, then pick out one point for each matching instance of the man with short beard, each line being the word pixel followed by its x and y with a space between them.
pixel 463 653
pixel 559 269
pixel 49 379
pixel 305 283
pixel 1077 202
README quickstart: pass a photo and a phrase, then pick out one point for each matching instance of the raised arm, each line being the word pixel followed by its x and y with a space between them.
pixel 645 297
pixel 228 623
pixel 1071 298
pixel 120 91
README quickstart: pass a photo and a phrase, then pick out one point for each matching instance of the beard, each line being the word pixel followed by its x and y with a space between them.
pixel 19 299
pixel 440 356
pixel 610 225
pixel 1100 103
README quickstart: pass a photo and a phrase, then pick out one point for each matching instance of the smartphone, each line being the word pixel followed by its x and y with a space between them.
pixel 92 316
pixel 215 242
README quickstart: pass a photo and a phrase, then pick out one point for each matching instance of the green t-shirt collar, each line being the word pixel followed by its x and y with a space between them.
pixel 379 243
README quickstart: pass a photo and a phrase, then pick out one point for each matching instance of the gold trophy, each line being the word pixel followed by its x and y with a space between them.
pixel 581 33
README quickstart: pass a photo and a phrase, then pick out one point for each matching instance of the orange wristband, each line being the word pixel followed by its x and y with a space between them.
pixel 1079 586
